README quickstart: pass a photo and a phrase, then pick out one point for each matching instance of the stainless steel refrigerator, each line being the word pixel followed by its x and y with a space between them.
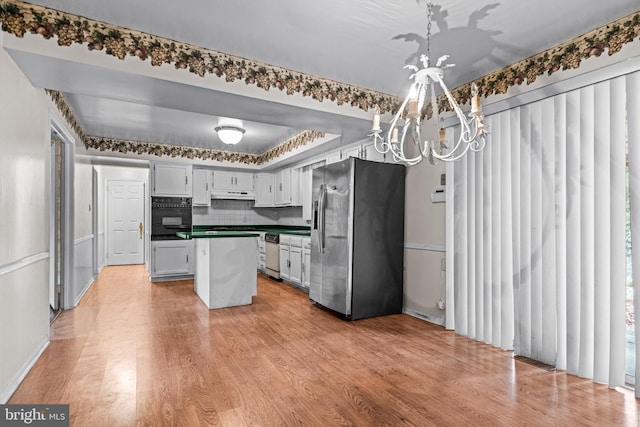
pixel 357 238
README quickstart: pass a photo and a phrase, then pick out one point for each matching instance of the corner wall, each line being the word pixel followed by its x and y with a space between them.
pixel 24 204
pixel 83 234
pixel 424 243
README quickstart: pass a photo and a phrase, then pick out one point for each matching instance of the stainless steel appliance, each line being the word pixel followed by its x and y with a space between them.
pixel 272 255
pixel 168 216
pixel 357 238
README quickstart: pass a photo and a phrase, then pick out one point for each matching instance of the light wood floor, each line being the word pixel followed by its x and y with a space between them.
pixel 138 353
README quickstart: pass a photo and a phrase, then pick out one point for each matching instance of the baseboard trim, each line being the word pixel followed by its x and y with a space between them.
pixel 154 279
pixel 436 320
pixel 17 379
pixel 84 291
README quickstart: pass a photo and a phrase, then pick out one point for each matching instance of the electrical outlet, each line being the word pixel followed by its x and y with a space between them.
pixel 443 264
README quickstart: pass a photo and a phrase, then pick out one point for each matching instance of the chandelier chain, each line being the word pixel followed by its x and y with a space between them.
pixel 429 16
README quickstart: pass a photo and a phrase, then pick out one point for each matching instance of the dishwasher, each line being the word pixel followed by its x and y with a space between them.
pixel 272 255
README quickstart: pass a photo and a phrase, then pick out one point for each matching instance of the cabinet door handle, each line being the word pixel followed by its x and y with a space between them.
pixel 206 186
pixel 187 258
pixel 186 179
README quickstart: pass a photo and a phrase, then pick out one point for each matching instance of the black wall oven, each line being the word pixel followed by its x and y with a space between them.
pixel 168 216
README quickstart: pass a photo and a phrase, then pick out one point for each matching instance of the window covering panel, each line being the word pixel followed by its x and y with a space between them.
pixel 537 240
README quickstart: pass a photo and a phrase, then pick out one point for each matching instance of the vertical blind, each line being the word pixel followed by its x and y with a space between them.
pixel 537 242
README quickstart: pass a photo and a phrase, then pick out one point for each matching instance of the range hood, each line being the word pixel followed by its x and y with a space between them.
pixel 234 195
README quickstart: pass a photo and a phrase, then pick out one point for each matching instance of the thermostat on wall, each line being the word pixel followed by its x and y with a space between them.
pixel 438 195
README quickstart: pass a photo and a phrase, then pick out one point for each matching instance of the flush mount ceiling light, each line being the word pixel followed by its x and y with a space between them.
pixel 406 124
pixel 230 135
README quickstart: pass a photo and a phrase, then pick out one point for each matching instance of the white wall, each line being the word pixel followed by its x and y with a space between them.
pixel 82 192
pixel 24 204
pixel 424 243
pixel 83 233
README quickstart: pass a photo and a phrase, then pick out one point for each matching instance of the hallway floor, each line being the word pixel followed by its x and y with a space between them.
pixel 141 353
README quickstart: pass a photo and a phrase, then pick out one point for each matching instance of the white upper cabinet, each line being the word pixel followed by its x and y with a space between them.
pixel 296 187
pixel 365 152
pixel 353 152
pixel 283 187
pixel 265 190
pixel 334 157
pixel 306 177
pixel 172 180
pixel 202 187
pixel 233 185
pixel 370 153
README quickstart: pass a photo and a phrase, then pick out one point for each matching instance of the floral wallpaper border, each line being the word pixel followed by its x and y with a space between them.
pixel 156 149
pixel 139 147
pixel 19 18
pixel 568 55
pixel 68 113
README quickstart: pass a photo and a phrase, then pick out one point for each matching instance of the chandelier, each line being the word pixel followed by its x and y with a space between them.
pixel 404 130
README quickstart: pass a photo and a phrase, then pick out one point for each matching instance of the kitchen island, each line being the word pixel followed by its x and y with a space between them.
pixel 226 264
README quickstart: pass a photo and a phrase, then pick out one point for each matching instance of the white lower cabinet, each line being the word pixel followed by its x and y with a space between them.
pixel 295 265
pixel 291 259
pixel 262 252
pixel 284 257
pixel 171 258
pixel 306 262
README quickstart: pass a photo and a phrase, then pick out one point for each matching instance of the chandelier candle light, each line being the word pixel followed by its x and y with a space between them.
pixel 472 129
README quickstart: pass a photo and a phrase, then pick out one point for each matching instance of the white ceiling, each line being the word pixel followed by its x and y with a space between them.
pixel 362 43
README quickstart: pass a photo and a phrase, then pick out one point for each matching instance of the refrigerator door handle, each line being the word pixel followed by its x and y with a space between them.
pixel 321 208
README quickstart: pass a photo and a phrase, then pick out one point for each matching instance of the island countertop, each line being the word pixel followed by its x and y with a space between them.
pixel 214 234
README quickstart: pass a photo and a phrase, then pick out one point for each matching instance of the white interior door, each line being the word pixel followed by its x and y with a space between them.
pixel 125 222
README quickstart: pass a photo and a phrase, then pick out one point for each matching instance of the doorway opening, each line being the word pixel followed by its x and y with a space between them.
pixel 57 162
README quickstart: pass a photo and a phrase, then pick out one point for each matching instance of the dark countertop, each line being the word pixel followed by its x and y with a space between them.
pixel 278 229
pixel 214 234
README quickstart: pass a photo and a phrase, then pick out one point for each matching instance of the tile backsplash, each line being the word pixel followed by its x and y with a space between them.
pixel 238 212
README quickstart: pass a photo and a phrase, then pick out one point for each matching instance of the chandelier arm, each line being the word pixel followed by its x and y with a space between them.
pixel 449 156
pixel 401 150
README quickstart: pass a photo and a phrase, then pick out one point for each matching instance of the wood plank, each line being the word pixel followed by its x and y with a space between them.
pixel 141 353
